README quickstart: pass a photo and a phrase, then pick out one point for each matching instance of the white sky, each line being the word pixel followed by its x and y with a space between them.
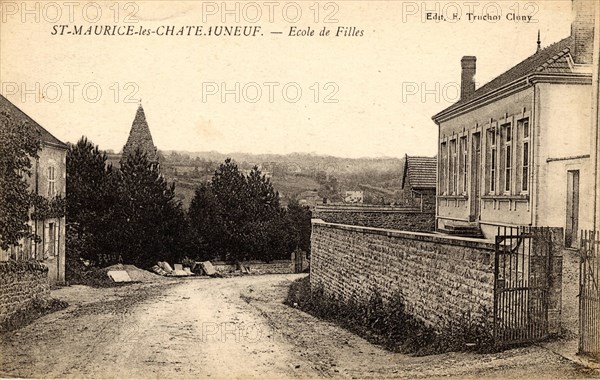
pixel 371 72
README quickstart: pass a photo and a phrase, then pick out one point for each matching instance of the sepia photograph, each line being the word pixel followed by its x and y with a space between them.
pixel 306 189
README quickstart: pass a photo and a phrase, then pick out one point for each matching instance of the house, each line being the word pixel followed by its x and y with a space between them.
pixel 516 151
pixel 419 181
pixel 355 196
pixel 309 198
pixel 48 179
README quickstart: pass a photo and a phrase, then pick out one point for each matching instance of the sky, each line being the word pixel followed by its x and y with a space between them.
pixel 370 93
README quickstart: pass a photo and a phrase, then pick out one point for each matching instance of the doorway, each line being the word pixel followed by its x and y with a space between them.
pixel 572 223
pixel 51 239
pixel 475 178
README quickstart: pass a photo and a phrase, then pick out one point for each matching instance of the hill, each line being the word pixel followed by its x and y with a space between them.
pixel 301 176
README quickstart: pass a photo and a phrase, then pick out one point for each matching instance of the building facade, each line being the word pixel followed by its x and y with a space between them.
pixel 48 179
pixel 516 151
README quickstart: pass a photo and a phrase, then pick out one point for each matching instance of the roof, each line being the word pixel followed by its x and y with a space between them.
pixel 140 137
pixel 420 172
pixel 46 137
pixel 555 59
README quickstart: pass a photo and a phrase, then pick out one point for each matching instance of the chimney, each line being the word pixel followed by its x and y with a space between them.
pixel 467 79
pixel 582 31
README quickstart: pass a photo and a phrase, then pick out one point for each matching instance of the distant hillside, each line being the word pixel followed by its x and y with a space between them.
pixel 305 161
pixel 300 176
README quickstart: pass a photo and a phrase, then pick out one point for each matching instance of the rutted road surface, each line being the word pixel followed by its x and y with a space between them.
pixel 228 328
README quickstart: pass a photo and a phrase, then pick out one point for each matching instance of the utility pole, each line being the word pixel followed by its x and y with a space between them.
pixel 596 114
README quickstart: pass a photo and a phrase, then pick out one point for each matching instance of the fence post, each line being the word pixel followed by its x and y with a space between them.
pixel 556 245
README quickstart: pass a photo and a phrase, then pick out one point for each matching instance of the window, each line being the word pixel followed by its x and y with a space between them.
pixel 523 126
pixel 507 135
pixel 493 160
pixel 51 181
pixel 453 167
pixel 463 164
pixel 443 168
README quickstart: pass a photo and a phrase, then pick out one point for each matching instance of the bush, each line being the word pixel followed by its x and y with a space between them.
pixel 387 323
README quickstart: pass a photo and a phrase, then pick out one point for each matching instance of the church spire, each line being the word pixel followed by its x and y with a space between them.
pixel 140 137
pixel 539 41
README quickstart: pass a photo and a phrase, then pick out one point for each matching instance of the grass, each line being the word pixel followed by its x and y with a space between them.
pixel 34 310
pixel 388 324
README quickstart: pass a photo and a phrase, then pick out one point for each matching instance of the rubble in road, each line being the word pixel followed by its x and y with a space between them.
pixel 208 268
pixel 80 274
pixel 119 275
pixel 134 273
pixel 163 268
pixel 125 273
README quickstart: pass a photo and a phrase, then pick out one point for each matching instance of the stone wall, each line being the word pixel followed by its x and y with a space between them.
pixel 440 278
pixel 388 217
pixel 21 282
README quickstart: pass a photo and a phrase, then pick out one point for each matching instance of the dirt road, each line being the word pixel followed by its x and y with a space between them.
pixel 227 328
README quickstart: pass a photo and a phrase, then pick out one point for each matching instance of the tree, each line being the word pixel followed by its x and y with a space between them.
pixel 229 188
pixel 239 217
pixel 266 219
pixel 300 226
pixel 90 200
pixel 19 145
pixel 150 224
pixel 206 226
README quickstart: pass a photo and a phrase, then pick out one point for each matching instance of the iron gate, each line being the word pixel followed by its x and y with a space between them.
pixel 522 283
pixel 589 295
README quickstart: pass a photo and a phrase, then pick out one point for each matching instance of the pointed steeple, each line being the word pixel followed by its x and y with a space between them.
pixel 140 137
pixel 539 41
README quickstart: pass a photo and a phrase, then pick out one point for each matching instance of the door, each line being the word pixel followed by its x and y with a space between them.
pixel 475 178
pixel 572 222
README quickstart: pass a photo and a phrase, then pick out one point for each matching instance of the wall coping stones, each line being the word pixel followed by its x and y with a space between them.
pixel 22 266
pixel 418 236
pixel 369 208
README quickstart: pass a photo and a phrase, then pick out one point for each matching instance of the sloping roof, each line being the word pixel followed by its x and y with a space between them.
pixel 20 116
pixel 140 137
pixel 555 58
pixel 420 172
